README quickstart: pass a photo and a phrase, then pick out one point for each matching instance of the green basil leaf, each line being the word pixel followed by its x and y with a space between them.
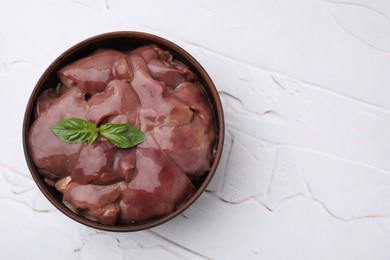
pixel 122 135
pixel 75 130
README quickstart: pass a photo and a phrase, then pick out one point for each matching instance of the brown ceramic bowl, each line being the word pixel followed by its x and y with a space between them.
pixel 121 41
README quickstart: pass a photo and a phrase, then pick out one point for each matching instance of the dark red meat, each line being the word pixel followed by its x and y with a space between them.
pixel 53 157
pixel 98 203
pixel 148 89
pixel 118 99
pixel 91 74
pixel 156 190
pixel 172 74
pixel 187 145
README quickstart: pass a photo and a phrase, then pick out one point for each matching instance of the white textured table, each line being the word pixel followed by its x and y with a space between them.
pixel 305 86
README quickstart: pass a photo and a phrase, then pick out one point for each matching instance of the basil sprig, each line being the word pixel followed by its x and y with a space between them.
pixel 76 130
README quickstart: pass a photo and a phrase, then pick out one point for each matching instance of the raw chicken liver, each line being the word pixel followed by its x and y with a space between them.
pixel 91 74
pixel 148 89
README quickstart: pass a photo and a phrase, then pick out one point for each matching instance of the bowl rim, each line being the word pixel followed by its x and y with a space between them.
pixel 73 50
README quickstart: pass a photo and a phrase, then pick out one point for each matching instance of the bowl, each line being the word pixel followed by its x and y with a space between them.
pixel 122 40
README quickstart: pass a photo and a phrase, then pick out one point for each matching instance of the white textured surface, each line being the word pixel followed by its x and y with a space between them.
pixel 305 85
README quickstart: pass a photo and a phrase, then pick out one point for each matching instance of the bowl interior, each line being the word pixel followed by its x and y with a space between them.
pixel 123 41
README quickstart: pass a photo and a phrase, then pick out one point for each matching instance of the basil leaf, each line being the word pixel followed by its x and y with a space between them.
pixel 122 135
pixel 75 130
